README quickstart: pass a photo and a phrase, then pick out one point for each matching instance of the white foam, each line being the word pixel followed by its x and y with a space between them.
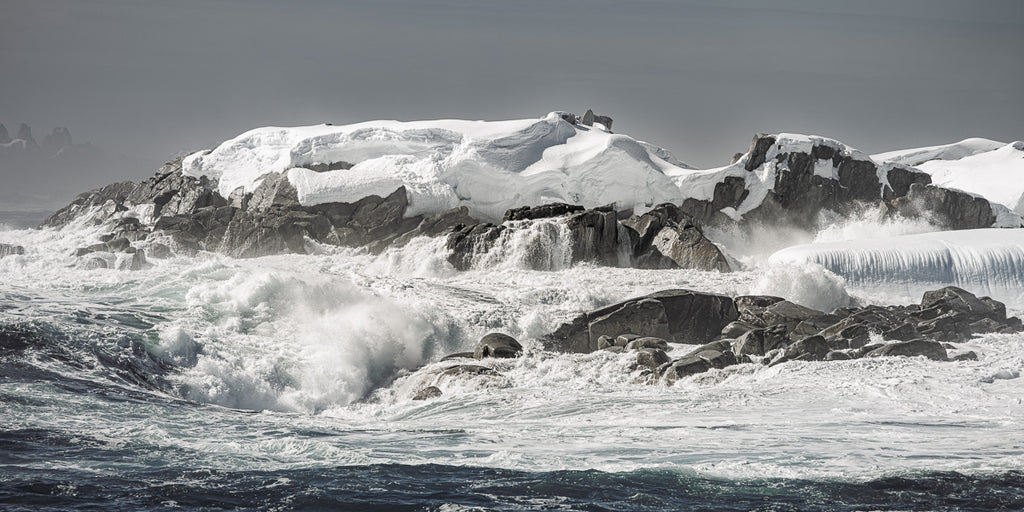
pixel 983 261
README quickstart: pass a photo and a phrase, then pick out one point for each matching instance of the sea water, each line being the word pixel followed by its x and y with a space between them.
pixel 286 383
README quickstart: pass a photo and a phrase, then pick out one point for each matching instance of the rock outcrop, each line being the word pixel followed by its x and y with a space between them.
pixel 664 237
pixel 774 331
pixel 819 174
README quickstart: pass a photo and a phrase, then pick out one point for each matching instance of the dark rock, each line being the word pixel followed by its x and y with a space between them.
pixel 645 317
pixel 666 237
pixel 329 166
pixel 750 343
pixel 900 180
pixel 459 355
pixel 651 358
pixel 985 326
pixel 110 197
pixel 541 212
pixel 904 332
pixel 966 356
pixel 950 209
pixel 758 150
pixel 838 355
pixel 595 237
pixel 685 366
pixel 736 329
pixel 605 120
pixel 813 348
pixel 118 245
pixel 469 369
pixel 11 250
pixel 647 342
pixel 604 342
pixel 588 118
pixel 953 299
pixel 427 393
pixel 930 349
pixel 683 316
pixel 497 345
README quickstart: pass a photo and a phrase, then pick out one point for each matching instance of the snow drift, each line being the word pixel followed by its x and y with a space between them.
pixel 488 166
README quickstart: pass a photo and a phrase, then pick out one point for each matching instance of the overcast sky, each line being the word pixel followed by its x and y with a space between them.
pixel 151 78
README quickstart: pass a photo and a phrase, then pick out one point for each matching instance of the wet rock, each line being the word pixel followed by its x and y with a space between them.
pixel 427 393
pixel 813 348
pixel 459 355
pixel 11 250
pixel 838 355
pixel 498 345
pixel 462 370
pixel 651 358
pixel 736 329
pixel 604 342
pixel 542 212
pixel 665 237
pixel 645 317
pixel 647 342
pixel 684 367
pixel 950 209
pixel 966 356
pixel 927 348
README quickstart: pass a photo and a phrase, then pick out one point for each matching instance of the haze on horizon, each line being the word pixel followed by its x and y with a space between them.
pixel 146 80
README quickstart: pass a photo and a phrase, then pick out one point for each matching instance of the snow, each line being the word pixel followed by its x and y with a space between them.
pixel 984 261
pixel 489 166
pixel 954 151
pixel 987 168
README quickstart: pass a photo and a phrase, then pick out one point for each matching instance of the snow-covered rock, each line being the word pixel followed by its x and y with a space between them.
pixel 488 166
pixel 991 169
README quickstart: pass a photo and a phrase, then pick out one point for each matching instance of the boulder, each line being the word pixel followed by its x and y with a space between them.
pixel 651 358
pixel 645 317
pixel 950 209
pixel 684 367
pixel 497 345
pixel 927 348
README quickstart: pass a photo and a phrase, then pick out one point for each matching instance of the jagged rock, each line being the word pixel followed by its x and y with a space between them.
pixel 683 316
pixel 930 349
pixel 497 345
pixel 4 136
pixel 684 367
pixel 588 118
pixel 605 120
pixel 11 250
pixel 651 358
pixel 645 317
pixel 541 212
pixel 469 370
pixel 737 329
pixel 901 179
pixel 789 314
pixel 950 209
pixel 750 343
pixel 427 393
pixel 666 237
pixel 111 196
pixel 274 191
pixel 953 299
pixel 59 139
pixel 595 236
pixel 812 348
pixel 327 167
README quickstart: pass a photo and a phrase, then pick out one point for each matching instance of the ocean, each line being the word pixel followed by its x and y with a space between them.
pixel 286 383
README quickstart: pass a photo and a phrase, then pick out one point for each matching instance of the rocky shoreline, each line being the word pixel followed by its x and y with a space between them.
pixel 721 331
pixel 174 213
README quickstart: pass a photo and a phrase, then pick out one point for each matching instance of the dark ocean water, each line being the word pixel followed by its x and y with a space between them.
pixel 435 487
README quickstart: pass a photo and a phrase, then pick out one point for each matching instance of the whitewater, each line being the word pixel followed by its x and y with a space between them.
pixel 278 376
pixel 286 382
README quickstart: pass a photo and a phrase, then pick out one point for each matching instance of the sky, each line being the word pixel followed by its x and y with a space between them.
pixel 149 79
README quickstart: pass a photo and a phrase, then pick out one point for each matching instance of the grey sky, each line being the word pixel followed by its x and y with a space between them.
pixel 151 78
